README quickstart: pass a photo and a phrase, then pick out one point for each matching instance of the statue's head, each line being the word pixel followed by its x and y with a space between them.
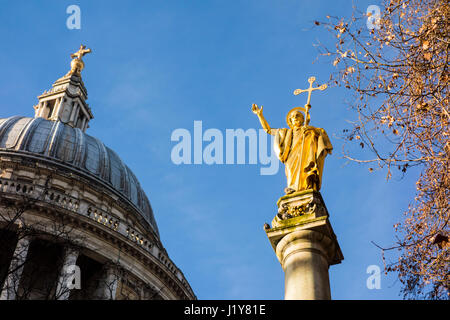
pixel 295 118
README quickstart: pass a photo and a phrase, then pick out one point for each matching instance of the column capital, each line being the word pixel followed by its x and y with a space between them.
pixel 306 241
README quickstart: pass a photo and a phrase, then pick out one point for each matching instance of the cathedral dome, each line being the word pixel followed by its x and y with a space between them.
pixel 57 142
pixel 67 200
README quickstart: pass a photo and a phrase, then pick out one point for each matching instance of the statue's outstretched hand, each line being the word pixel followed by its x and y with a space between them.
pixel 256 110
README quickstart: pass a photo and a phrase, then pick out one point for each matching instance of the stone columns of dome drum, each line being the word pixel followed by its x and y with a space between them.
pixel 107 288
pixel 69 277
pixel 11 285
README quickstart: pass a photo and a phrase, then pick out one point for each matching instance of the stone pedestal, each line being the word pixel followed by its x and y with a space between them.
pixel 305 244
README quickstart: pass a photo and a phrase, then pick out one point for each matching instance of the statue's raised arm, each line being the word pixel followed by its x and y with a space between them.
pixel 259 113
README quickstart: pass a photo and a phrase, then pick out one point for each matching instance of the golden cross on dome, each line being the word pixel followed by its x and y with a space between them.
pixel 80 53
pixel 77 64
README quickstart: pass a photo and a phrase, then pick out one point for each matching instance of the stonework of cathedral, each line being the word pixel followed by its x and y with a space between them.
pixel 70 207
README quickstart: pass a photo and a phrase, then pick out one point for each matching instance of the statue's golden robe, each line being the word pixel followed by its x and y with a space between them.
pixel 303 169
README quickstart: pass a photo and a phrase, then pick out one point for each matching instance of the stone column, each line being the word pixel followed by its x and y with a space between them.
pixel 83 124
pixel 57 108
pixel 73 113
pixel 107 287
pixel 43 107
pixel 304 257
pixel 68 271
pixel 305 244
pixel 86 124
pixel 11 286
pixel 37 110
pixel 76 118
pixel 53 111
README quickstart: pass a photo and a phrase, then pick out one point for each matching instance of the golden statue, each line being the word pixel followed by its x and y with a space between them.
pixel 77 63
pixel 302 148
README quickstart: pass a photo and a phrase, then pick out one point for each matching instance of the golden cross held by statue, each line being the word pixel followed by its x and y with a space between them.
pixel 310 89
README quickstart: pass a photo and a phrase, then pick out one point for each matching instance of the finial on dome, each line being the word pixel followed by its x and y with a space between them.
pixel 66 100
pixel 77 63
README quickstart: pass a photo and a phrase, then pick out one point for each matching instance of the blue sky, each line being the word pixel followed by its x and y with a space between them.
pixel 161 65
